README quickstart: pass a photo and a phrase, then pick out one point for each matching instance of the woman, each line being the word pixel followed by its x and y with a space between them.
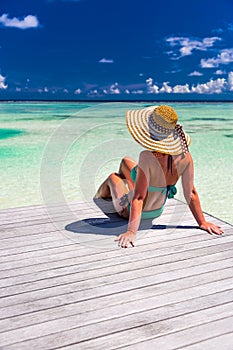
pixel 140 190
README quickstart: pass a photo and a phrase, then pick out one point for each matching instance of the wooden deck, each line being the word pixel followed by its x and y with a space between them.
pixel 65 284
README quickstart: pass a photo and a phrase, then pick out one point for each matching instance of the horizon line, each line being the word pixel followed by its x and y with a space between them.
pixel 113 100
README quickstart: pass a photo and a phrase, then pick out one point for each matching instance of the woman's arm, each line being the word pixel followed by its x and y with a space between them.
pixel 140 193
pixel 192 199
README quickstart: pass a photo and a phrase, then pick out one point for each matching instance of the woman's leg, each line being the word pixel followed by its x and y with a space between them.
pixel 116 188
pixel 104 190
pixel 119 187
pixel 126 165
pixel 121 196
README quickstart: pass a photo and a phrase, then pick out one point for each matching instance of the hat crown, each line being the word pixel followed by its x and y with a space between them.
pixel 165 116
pixel 156 129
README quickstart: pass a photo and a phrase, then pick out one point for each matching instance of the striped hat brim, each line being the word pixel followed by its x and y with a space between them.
pixel 148 135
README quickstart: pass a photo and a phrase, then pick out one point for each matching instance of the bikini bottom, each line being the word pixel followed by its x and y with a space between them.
pixel 151 214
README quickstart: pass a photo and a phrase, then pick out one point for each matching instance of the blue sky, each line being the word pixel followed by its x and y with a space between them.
pixel 125 49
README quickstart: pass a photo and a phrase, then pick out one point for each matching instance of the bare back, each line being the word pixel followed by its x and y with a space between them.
pixel 159 174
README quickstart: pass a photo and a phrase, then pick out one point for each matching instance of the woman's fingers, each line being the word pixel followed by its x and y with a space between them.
pixel 123 241
pixel 216 229
pixel 212 228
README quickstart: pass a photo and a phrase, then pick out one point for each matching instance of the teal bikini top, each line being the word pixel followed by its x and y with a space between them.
pixel 168 191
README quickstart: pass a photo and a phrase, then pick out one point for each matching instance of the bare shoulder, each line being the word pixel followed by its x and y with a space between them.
pixel 183 162
pixel 188 158
pixel 145 158
pixel 145 155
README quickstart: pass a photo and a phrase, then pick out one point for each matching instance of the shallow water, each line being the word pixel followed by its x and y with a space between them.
pixel 62 151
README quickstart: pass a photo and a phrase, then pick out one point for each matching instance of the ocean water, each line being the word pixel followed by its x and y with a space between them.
pixel 55 152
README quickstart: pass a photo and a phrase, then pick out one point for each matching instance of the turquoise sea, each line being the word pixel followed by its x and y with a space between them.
pixel 55 151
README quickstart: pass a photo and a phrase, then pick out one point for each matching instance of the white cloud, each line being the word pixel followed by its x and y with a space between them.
pixel 94 92
pixel 78 91
pixel 181 89
pixel 2 82
pixel 105 60
pixel 211 87
pixel 220 72
pixel 166 88
pixel 187 45
pixel 151 88
pixel 230 81
pixel 224 57
pixel 25 23
pixel 114 89
pixel 44 89
pixel 195 74
pixel 138 92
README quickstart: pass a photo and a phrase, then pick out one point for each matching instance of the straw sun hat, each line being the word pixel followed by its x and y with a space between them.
pixel 156 129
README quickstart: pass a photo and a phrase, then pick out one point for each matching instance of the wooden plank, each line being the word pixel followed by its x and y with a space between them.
pixel 104 224
pixel 43 209
pixel 50 226
pixel 43 253
pixel 119 311
pixel 210 241
pixel 86 272
pixel 132 328
pixel 12 243
pixel 24 218
pixel 144 238
pixel 40 246
pixel 50 251
pixel 97 261
pixel 124 280
pixel 78 211
pixel 84 237
pixel 224 342
pixel 64 289
pixel 149 243
pixel 58 207
pixel 56 211
pixel 94 310
pixel 65 218
pixel 57 277
pixel 27 302
pixel 94 240
pixel 86 228
pixel 176 340
pixel 94 232
pixel 95 257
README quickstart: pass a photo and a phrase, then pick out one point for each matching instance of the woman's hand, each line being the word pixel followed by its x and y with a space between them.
pixel 125 238
pixel 211 228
